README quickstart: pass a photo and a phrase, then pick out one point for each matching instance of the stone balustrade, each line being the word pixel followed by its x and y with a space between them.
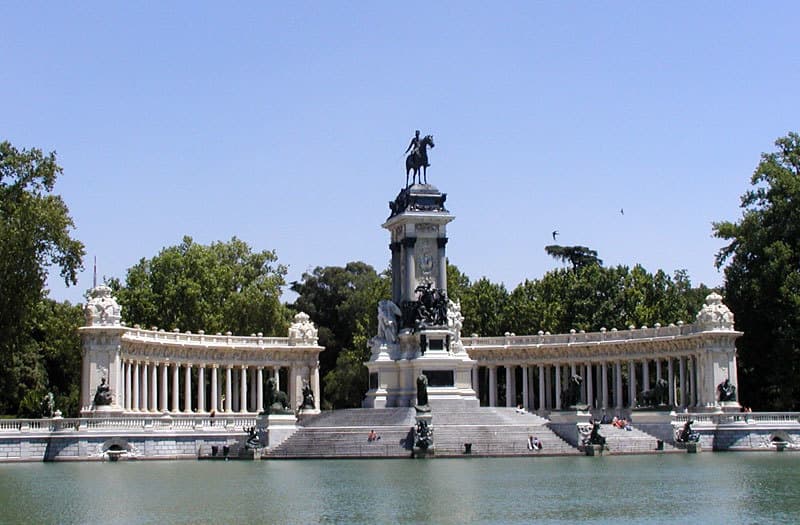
pixel 164 423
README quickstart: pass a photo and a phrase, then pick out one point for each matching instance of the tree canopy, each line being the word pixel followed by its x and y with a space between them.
pixel 762 279
pixel 342 302
pixel 577 256
pixel 222 287
pixel 35 235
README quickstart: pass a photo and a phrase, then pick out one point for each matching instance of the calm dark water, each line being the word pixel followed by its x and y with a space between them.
pixel 677 488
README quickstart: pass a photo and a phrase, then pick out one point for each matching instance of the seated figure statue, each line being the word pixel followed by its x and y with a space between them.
pixel 102 396
pixel 726 391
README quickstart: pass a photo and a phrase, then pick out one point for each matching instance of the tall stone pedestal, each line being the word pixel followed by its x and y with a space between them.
pixel 274 429
pixel 420 328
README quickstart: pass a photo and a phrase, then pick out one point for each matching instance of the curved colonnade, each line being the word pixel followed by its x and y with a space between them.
pixel 615 366
pixel 153 371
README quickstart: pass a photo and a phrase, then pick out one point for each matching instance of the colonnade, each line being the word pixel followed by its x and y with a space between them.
pixel 606 384
pixel 151 386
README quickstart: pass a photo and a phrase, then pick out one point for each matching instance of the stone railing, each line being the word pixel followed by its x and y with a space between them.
pixel 202 339
pixel 225 423
pixel 574 337
pixel 767 418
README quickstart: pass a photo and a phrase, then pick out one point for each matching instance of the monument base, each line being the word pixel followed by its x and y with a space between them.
pixel 274 429
pixel 594 450
pixel 394 368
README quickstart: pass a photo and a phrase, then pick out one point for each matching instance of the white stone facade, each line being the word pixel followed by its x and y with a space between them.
pixel 616 366
pixel 156 372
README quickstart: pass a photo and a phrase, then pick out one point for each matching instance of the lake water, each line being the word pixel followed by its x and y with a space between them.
pixel 671 488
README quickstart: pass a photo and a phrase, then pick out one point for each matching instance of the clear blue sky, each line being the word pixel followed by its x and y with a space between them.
pixel 284 124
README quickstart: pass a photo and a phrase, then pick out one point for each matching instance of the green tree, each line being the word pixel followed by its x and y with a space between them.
pixel 577 256
pixel 342 302
pixel 35 234
pixel 482 306
pixel 224 286
pixel 762 279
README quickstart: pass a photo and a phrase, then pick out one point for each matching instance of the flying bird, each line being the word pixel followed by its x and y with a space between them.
pixel 622 211
pixel 555 234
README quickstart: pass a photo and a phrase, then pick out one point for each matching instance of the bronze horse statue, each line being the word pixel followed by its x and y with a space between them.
pixel 419 159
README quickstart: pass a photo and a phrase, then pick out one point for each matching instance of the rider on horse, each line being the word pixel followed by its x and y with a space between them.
pixel 414 148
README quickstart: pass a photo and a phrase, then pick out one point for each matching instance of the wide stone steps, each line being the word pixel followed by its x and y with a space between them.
pixel 620 441
pixel 497 440
pixel 490 430
pixel 345 442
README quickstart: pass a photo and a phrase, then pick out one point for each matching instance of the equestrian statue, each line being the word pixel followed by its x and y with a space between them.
pixel 418 158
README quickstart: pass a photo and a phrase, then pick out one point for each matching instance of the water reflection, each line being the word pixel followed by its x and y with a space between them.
pixel 703 488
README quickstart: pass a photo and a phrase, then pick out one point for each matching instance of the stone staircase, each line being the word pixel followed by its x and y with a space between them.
pixel 343 434
pixel 633 441
pixel 491 431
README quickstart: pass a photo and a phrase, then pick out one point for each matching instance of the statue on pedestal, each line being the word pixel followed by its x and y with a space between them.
pixel 572 394
pixel 389 315
pixel 103 396
pixel 277 402
pixel 308 396
pixel 687 435
pixel 418 158
pixel 422 391
pixel 726 391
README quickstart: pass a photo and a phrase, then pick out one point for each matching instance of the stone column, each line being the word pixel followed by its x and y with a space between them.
pixel 693 380
pixel 214 388
pixel 128 385
pixel 658 369
pixel 277 376
pixel 293 383
pixel 145 370
pixel 175 388
pixel 409 278
pixel 260 390
pixel 558 387
pixel 315 386
pixel 645 375
pixel 201 388
pixel 228 388
pixel 548 387
pixel 604 382
pixel 511 394
pixel 618 384
pixel 492 385
pixel 671 381
pixel 541 388
pixel 243 388
pixel 682 380
pixel 531 389
pixel 187 389
pixel 235 390
pixel 632 384
pixel 589 386
pixel 251 381
pixel 154 388
pixel 396 278
pixel 163 384
pixel 118 376
pixel 441 281
pixel 135 396
pixel 525 392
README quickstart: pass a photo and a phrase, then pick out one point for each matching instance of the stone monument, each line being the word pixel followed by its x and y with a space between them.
pixel 419 330
pixel 101 379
